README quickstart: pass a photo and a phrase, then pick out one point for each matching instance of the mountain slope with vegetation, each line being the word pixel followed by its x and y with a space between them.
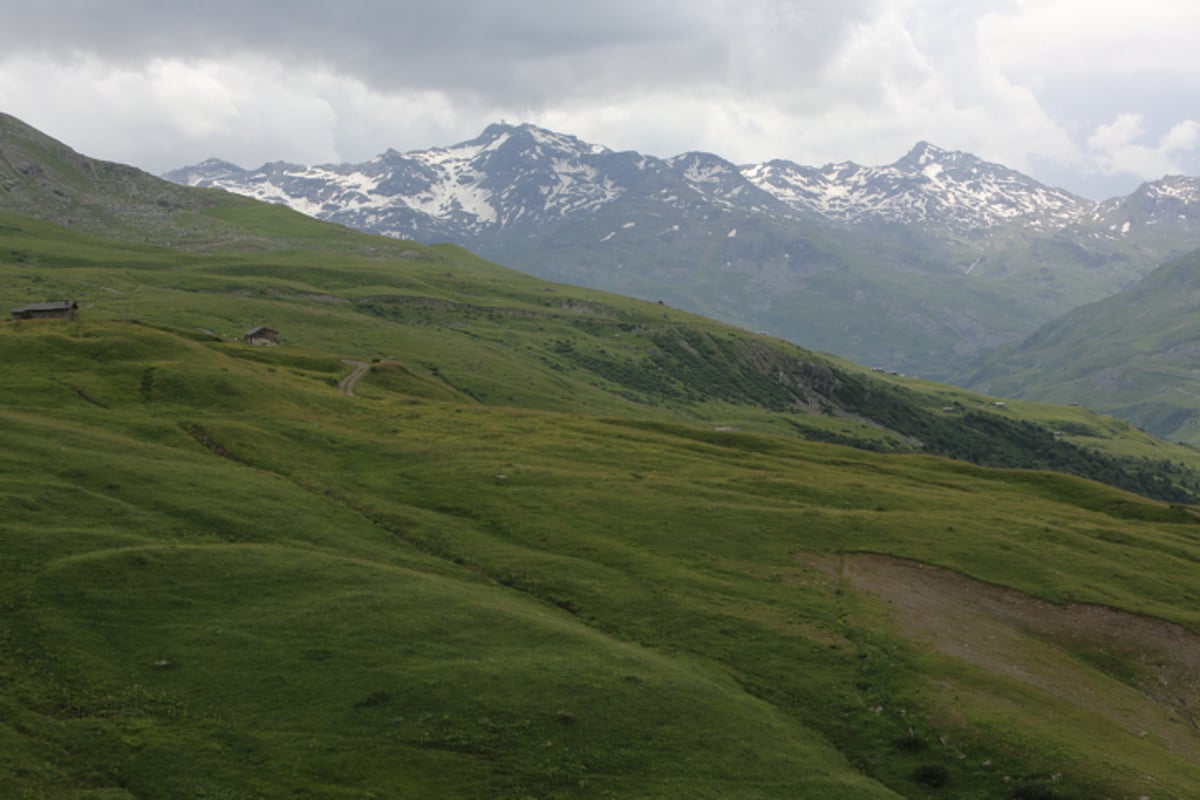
pixel 493 336
pixel 223 577
pixel 1133 355
pixel 556 544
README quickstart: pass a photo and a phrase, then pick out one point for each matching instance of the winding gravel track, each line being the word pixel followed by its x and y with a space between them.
pixel 346 386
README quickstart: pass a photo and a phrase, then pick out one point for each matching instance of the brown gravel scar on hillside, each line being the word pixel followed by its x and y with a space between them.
pixel 1051 647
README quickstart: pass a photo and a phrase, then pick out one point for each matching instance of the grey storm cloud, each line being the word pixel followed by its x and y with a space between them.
pixel 521 53
pixel 1097 94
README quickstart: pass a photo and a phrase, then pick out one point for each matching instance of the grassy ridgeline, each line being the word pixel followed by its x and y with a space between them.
pixel 224 579
pixel 449 325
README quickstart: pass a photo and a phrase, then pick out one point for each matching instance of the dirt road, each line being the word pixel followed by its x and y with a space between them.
pixel 346 386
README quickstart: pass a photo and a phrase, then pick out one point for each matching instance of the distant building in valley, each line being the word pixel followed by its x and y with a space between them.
pixel 57 309
pixel 261 335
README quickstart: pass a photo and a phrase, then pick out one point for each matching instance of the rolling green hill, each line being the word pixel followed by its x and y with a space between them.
pixel 1133 355
pixel 553 543
pixel 225 579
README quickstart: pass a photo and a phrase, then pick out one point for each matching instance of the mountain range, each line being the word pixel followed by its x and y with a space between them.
pixel 919 266
pixel 513 176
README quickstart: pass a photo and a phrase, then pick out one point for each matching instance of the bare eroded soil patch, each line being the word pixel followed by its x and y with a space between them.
pixel 1152 686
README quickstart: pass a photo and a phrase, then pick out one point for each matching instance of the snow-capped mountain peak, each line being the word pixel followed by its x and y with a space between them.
pixel 923 153
pixel 929 186
pixel 1169 204
pixel 204 173
pixel 1180 188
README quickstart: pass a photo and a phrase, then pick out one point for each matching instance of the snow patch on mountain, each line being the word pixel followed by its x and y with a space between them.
pixel 1177 187
pixel 1172 203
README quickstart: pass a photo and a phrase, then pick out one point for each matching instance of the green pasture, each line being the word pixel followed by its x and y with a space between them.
pixel 557 544
pixel 225 579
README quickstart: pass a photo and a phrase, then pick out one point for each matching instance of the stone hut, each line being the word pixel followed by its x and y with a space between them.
pixel 261 335
pixel 57 309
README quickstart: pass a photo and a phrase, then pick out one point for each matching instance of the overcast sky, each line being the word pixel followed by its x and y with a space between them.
pixel 1094 96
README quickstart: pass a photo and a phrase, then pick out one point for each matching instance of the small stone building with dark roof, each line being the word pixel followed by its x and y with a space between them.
pixel 261 335
pixel 57 309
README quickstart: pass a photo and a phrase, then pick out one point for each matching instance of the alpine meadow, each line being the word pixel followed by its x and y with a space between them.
pixel 466 532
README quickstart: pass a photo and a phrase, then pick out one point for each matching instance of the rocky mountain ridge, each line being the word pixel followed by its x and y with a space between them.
pixel 522 176
pixel 525 175
pixel 508 178
pixel 955 191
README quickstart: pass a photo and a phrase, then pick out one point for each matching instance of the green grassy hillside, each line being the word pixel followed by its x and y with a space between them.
pixel 225 579
pixel 1132 355
pixel 555 544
